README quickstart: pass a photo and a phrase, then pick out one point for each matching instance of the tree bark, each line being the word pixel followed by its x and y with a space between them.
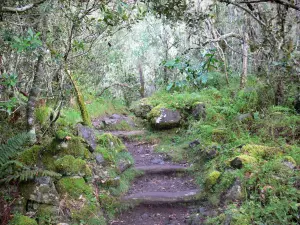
pixel 32 99
pixel 142 82
pixel 245 62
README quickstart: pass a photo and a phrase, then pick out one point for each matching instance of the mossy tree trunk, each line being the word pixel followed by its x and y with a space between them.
pixel 32 99
pixel 80 101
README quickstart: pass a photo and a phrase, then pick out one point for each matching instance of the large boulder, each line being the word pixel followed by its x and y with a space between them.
pixel 163 118
pixel 141 108
pixel 42 191
pixel 114 122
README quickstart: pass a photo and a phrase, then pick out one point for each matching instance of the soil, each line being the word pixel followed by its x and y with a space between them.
pixel 171 183
pixel 163 183
pixel 144 155
pixel 154 215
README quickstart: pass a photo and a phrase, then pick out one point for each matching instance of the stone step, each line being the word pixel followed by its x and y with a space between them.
pixel 163 197
pixel 125 134
pixel 155 169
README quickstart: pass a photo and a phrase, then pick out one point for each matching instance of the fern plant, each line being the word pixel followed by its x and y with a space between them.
pixel 13 170
pixel 13 147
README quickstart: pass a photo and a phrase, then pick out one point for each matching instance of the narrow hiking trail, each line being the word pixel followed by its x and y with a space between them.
pixel 162 194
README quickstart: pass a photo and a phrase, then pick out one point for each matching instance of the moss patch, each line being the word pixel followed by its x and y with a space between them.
pixel 22 220
pixel 110 141
pixel 212 178
pixel 68 165
pixel 30 156
pixel 261 151
pixel 74 186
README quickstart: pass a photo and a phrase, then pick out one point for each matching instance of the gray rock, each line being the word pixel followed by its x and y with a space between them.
pixel 211 152
pixel 193 144
pixel 245 117
pixel 235 192
pixel 43 180
pixel 199 111
pixel 157 161
pixel 89 135
pixel 123 165
pixel 166 119
pixel 41 191
pixel 289 165
pixel 236 163
pixel 100 160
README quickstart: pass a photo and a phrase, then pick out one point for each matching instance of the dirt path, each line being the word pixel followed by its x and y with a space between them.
pixel 163 192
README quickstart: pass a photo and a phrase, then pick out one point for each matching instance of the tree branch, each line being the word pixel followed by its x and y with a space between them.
pixel 246 10
pixel 225 36
pixel 280 2
pixel 116 84
pixel 21 9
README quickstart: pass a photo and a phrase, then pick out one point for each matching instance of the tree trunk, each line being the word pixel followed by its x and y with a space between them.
pixel 32 99
pixel 142 82
pixel 83 110
pixel 245 62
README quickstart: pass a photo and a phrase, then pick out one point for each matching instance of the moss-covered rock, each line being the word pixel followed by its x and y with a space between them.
pixel 220 135
pixel 241 160
pixel 141 108
pixel 22 220
pixel 199 110
pixel 74 187
pixel 110 141
pixel 46 213
pixel 211 179
pixel 68 165
pixel 163 118
pixel 289 159
pixel 42 191
pixel 260 151
pixel 289 162
pixel 75 147
pixel 30 156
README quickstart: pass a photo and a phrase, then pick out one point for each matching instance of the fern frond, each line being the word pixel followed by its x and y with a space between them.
pixel 26 175
pixel 13 147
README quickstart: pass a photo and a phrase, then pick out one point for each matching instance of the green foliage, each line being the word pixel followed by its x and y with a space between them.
pixel 30 42
pixel 13 146
pixel 195 75
pixel 16 171
pixel 19 219
pixel 42 114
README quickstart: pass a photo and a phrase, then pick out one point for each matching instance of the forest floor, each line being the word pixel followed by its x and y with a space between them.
pixel 165 192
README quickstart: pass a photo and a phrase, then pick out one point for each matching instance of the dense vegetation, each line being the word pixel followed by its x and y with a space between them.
pixel 227 70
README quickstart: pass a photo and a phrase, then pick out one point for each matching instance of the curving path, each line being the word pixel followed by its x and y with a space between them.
pixel 160 192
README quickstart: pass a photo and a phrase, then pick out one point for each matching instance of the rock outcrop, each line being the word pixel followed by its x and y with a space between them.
pixel 163 118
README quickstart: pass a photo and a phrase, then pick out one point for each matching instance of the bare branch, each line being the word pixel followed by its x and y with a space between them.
pixel 246 10
pixel 116 84
pixel 225 36
pixel 280 2
pixel 21 9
